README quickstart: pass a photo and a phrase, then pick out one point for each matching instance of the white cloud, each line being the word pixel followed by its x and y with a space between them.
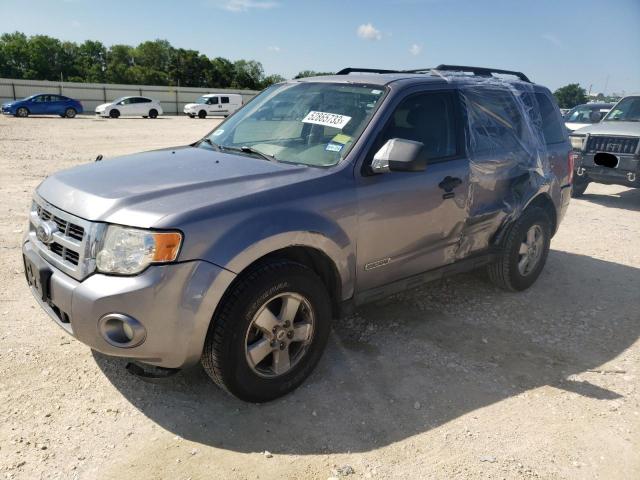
pixel 550 37
pixel 273 48
pixel 415 49
pixel 244 5
pixel 369 32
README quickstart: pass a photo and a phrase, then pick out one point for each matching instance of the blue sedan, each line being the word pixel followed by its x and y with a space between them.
pixel 43 104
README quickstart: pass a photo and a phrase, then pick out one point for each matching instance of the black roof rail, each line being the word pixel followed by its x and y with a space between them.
pixel 480 71
pixel 348 70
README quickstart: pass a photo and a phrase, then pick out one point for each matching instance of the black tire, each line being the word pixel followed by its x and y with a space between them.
pixel 202 114
pixel 22 112
pixel 505 272
pixel 192 116
pixel 579 187
pixel 114 113
pixel 224 356
pixel 70 112
pixel 153 113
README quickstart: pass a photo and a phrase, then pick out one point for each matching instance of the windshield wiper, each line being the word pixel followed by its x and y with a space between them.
pixel 251 150
pixel 213 144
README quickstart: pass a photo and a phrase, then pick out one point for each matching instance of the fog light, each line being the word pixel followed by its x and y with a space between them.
pixel 121 330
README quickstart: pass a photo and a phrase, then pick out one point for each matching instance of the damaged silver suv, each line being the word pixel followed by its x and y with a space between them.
pixel 317 196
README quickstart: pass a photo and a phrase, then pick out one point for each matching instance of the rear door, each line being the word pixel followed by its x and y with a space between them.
pixel 500 161
pixel 410 222
pixel 555 136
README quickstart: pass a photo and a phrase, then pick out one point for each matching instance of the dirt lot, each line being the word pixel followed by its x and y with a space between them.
pixel 454 380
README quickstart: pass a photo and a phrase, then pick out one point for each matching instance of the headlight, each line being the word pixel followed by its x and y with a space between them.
pixel 577 141
pixel 127 251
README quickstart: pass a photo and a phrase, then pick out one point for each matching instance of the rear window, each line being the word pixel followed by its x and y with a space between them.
pixel 552 127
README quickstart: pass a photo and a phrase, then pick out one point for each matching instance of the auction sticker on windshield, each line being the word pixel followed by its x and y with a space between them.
pixel 327 119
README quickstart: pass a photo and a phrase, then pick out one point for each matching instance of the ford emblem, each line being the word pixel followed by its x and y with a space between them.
pixel 45 231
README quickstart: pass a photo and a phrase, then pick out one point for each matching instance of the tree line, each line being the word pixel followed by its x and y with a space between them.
pixel 156 62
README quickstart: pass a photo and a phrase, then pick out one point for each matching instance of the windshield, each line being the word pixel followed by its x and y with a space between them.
pixel 201 100
pixel 305 123
pixel 117 100
pixel 582 114
pixel 626 110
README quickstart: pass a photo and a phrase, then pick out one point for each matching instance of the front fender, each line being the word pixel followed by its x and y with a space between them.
pixel 261 235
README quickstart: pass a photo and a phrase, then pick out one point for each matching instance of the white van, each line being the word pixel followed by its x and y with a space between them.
pixel 214 104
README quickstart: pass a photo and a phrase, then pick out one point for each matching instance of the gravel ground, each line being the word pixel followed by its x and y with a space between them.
pixel 454 380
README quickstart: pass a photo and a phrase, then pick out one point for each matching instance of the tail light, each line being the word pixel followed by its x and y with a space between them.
pixel 571 163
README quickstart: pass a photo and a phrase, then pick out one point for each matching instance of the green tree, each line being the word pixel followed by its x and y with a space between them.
pixel 188 68
pixel 15 50
pixel 119 63
pixel 570 95
pixel 91 61
pixel 248 74
pixel 271 79
pixel 220 73
pixel 45 54
pixel 311 73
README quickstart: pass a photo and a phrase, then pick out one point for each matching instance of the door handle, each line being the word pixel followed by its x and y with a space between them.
pixel 449 183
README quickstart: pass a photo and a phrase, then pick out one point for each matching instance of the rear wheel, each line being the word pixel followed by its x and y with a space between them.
pixel 202 114
pixel 269 333
pixel 524 251
pixel 70 112
pixel 114 113
pixel 22 112
pixel 153 113
pixel 579 187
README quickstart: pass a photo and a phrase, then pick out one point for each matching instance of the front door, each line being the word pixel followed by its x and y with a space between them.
pixel 213 105
pixel 411 222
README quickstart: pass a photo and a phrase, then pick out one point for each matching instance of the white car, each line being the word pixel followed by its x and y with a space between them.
pixel 130 106
pixel 214 104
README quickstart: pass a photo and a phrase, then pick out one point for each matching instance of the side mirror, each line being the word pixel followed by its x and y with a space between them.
pixel 400 155
pixel 595 117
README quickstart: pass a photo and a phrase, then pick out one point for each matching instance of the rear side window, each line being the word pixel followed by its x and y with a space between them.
pixel 224 99
pixel 429 118
pixel 495 121
pixel 552 128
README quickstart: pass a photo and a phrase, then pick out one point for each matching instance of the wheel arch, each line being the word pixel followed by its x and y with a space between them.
pixel 543 201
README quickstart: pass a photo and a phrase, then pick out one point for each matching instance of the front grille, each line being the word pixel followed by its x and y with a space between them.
pixel 627 145
pixel 70 245
pixel 67 228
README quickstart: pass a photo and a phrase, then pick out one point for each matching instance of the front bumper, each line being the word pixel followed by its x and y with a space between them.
pixel 174 303
pixel 626 173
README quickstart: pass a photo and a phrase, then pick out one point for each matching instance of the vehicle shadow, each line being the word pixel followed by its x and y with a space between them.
pixel 627 199
pixel 453 346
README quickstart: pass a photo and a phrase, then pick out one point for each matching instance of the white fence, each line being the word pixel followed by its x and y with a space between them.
pixel 173 99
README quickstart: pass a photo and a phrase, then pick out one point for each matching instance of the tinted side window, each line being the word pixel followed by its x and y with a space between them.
pixel 144 100
pixel 495 122
pixel 428 118
pixel 224 99
pixel 213 101
pixel 552 128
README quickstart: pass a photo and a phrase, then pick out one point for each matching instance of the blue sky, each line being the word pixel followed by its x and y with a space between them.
pixel 553 42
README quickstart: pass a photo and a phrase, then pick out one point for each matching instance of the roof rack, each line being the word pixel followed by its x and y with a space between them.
pixel 348 70
pixel 479 71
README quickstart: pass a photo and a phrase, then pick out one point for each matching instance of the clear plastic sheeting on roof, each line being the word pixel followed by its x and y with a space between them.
pixel 508 156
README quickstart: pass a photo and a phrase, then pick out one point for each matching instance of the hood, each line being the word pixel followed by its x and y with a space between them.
pixel 140 189
pixel 629 129
pixel 102 106
pixel 192 105
pixel 571 126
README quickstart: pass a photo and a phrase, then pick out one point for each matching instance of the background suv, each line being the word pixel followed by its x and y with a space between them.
pixel 239 249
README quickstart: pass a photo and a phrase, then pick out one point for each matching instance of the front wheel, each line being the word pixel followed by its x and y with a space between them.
pixel 524 251
pixel 70 112
pixel 202 114
pixel 269 332
pixel 114 113
pixel 22 112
